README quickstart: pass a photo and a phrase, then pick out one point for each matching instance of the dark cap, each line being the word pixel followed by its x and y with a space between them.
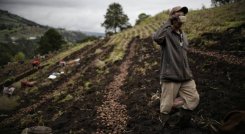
pixel 179 8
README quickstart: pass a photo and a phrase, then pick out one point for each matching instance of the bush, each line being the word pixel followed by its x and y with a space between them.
pixel 50 41
pixel 141 18
pixel 89 38
pixel 20 56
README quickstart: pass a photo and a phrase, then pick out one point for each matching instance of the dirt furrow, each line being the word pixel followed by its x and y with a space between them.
pixel 82 54
pixel 81 115
pixel 112 115
pixel 78 54
pixel 215 78
pixel 47 95
pixel 73 90
pixel 223 57
pixel 141 83
pixel 39 72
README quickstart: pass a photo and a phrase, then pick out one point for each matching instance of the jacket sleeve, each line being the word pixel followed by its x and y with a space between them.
pixel 159 35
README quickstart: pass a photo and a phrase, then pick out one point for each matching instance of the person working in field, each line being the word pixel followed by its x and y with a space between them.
pixel 36 62
pixel 179 95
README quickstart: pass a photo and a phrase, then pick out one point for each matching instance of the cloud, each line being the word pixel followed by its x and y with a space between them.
pixel 87 15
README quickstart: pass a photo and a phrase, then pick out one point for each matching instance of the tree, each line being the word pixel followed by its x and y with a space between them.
pixel 50 41
pixel 141 17
pixel 5 57
pixel 115 18
pixel 6 52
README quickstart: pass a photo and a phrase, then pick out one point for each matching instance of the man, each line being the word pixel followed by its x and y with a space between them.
pixel 176 79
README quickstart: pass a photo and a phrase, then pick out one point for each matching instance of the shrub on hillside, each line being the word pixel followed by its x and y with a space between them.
pixel 50 41
pixel 20 56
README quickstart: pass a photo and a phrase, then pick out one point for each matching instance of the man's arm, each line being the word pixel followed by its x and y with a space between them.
pixel 160 34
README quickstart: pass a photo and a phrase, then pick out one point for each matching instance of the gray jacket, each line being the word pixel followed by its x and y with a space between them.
pixel 174 61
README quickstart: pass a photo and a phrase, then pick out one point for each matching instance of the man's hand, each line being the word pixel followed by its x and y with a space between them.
pixel 178 18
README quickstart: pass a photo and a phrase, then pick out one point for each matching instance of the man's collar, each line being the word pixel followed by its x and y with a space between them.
pixel 173 30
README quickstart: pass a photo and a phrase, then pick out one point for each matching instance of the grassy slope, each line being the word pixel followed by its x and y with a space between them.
pixel 216 19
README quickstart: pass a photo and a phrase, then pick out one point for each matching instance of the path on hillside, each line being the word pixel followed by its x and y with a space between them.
pixel 112 115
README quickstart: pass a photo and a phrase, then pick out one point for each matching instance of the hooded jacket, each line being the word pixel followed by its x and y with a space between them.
pixel 174 61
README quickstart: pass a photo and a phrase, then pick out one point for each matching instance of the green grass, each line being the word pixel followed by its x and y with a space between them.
pixel 215 19
pixel 67 52
pixel 100 64
pixel 118 51
pixel 67 98
pixel 8 103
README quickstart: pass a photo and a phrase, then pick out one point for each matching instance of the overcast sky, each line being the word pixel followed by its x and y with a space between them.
pixel 87 15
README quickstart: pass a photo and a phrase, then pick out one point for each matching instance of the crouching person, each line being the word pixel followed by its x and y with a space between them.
pixel 176 78
pixel 35 63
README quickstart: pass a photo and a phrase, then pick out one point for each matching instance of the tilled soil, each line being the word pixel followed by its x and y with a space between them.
pixel 119 98
pixel 112 115
pixel 76 90
pixel 218 82
pixel 13 70
pixel 81 117
pixel 46 93
pixel 228 41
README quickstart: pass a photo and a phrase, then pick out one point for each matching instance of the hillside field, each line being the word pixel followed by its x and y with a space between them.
pixel 111 89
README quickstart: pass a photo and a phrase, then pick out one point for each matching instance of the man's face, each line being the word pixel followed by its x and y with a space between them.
pixel 179 13
pixel 177 23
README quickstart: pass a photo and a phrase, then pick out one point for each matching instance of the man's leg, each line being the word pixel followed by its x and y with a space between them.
pixel 190 95
pixel 189 98
pixel 169 93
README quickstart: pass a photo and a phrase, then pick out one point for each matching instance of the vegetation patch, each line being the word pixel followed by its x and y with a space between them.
pixel 100 64
pixel 8 103
pixel 67 98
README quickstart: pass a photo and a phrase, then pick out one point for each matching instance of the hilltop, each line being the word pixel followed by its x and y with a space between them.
pixel 14 27
pixel 115 86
